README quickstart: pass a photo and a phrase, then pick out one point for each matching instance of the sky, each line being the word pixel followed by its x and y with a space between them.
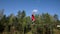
pixel 41 6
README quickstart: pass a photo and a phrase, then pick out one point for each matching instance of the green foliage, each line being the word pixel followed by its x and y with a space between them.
pixel 23 14
pixel 21 21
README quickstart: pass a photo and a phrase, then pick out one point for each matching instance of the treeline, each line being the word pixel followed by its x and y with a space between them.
pixel 21 21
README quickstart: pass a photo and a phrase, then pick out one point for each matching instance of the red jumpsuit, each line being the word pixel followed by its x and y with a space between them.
pixel 33 18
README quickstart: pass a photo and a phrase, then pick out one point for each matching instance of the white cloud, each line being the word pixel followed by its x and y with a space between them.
pixel 35 10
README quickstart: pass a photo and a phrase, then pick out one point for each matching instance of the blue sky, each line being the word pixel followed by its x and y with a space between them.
pixel 43 6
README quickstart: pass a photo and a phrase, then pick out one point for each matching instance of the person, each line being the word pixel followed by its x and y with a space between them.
pixel 33 19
